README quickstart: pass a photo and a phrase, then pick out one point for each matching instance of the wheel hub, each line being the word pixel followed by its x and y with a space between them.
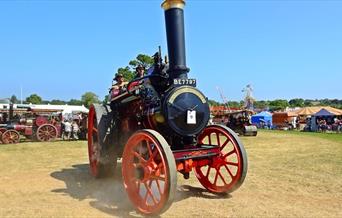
pixel 144 173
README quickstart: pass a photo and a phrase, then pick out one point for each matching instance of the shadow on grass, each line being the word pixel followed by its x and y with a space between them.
pixel 187 191
pixel 108 195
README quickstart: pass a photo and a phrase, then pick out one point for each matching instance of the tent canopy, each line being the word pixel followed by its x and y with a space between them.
pixel 263 116
pixel 310 111
pixel 324 112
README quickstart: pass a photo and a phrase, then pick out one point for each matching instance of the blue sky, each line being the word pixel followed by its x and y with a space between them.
pixel 61 49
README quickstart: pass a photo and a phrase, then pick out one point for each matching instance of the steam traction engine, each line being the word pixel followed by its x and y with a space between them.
pixel 36 127
pixel 158 126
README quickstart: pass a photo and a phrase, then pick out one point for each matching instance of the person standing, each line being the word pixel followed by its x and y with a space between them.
pixel 67 130
pixel 75 130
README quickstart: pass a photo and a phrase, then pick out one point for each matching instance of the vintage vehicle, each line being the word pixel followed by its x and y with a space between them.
pixel 42 127
pixel 158 126
pixel 240 122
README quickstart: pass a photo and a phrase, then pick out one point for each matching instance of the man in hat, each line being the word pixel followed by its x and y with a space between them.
pixel 140 70
pixel 119 86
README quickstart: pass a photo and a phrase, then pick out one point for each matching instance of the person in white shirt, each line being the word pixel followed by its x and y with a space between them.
pixel 75 130
pixel 67 130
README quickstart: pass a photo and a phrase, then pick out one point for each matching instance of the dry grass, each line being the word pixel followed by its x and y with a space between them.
pixel 290 175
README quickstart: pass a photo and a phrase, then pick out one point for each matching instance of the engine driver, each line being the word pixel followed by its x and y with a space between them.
pixel 119 86
pixel 140 70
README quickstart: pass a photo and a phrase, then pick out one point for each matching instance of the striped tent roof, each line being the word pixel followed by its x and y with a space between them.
pixel 309 111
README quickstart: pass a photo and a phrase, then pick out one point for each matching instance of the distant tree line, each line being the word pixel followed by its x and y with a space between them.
pixel 87 99
pixel 281 104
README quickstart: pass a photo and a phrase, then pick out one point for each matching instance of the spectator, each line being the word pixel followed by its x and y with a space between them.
pixel 75 130
pixel 67 130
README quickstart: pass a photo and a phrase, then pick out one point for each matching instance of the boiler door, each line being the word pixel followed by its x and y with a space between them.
pixel 187 110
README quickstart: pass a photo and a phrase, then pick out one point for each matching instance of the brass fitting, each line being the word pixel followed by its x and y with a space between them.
pixel 168 4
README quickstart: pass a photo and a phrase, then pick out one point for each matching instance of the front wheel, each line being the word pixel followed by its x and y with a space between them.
pixel 10 137
pixel 149 172
pixel 227 171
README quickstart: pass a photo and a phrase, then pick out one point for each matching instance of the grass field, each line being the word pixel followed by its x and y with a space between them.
pixel 290 174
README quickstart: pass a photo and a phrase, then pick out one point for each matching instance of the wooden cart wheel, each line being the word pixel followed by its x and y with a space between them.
pixel 102 163
pixel 10 137
pixel 149 172
pixel 46 132
pixel 227 171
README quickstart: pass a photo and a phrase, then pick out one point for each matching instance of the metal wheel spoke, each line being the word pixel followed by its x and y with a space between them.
pixel 139 157
pixel 229 153
pixel 149 148
pixel 149 192
pixel 232 163
pixel 216 176
pixel 158 185
pixel 224 144
pixel 158 178
pixel 224 181
pixel 161 168
pixel 228 170
pixel 154 154
pixel 208 171
pixel 218 138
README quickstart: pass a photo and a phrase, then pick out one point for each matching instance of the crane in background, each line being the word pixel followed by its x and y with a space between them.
pixel 224 99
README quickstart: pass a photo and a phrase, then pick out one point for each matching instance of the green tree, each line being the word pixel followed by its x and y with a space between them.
pixel 296 102
pixel 75 102
pixel 128 72
pixel 234 104
pixel 105 100
pixel 14 99
pixel 308 103
pixel 278 104
pixel 213 102
pixel 89 98
pixel 34 99
pixel 57 102
pixel 261 104
pixel 142 59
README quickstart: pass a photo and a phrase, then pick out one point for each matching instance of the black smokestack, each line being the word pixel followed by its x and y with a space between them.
pixel 174 21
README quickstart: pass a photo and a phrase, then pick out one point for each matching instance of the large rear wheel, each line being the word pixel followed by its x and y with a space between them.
pixel 149 172
pixel 228 170
pixel 10 137
pixel 102 158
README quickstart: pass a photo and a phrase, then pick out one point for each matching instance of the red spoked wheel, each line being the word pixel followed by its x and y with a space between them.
pixel 149 172
pixel 228 170
pixel 101 164
pixel 46 132
pixel 10 137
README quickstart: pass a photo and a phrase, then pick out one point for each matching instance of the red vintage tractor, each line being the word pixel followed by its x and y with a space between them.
pixel 158 126
pixel 37 127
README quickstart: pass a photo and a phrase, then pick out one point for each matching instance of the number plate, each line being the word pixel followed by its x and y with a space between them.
pixel 188 82
pixel 191 117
